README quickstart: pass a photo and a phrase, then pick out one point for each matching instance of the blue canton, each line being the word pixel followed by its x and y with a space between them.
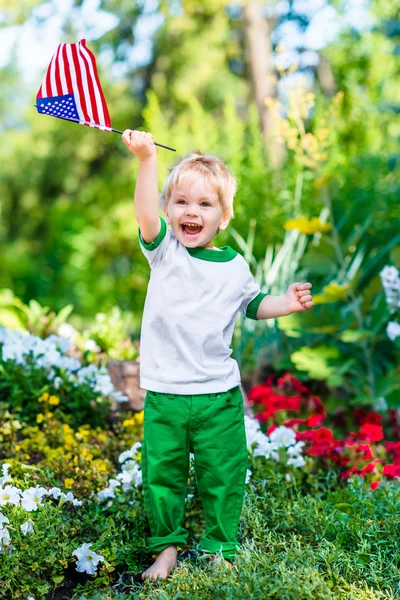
pixel 58 106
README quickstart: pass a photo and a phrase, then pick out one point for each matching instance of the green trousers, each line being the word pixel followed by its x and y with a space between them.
pixel 211 426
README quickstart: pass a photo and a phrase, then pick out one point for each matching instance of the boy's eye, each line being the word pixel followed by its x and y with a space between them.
pixel 208 204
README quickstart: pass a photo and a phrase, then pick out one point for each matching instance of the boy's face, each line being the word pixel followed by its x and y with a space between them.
pixel 195 201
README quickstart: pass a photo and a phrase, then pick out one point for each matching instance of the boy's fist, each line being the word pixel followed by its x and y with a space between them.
pixel 139 143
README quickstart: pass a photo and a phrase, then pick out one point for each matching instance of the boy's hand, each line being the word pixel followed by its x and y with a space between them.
pixel 298 297
pixel 140 143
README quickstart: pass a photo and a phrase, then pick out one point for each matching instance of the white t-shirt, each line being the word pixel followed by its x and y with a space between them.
pixel 193 298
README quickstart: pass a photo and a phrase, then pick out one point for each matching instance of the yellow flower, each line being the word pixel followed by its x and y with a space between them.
pixel 39 418
pixel 54 400
pixel 138 456
pixel 43 397
pixel 75 460
pixel 307 226
pixel 321 181
pixel 333 292
pixel 18 447
pixel 139 417
pixel 68 483
pixel 128 422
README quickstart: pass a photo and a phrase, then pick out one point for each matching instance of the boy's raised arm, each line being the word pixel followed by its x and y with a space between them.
pixel 141 145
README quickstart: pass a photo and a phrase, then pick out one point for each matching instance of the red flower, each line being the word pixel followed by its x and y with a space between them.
pixel 366 448
pixel 315 420
pixel 370 433
pixel 369 467
pixel 258 393
pixel 391 471
pixel 374 485
pixel 323 435
pixel 347 473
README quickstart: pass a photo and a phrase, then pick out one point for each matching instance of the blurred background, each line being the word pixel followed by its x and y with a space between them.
pixel 300 98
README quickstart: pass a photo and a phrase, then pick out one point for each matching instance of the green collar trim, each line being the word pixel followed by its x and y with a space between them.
pixel 226 255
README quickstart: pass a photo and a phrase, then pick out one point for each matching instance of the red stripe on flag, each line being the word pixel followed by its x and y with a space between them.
pixel 70 89
pixel 78 75
pixel 96 118
pixel 48 80
pixel 107 119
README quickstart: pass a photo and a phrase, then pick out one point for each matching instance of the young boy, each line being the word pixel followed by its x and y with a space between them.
pixel 193 402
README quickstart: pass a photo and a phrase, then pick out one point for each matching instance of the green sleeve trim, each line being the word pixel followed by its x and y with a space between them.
pixel 153 245
pixel 252 307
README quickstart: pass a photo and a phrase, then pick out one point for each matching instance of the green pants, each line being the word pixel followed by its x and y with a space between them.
pixel 211 426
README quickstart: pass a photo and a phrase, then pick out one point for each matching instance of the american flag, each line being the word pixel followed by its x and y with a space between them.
pixel 71 88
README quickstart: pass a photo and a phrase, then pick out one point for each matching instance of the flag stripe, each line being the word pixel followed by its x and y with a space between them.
pixel 78 91
pixel 53 85
pixel 57 73
pixel 72 71
pixel 98 114
pixel 64 85
pixel 107 119
pixel 74 82
pixel 86 91
pixel 67 71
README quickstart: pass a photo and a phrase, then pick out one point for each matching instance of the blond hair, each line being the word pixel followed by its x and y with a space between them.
pixel 212 169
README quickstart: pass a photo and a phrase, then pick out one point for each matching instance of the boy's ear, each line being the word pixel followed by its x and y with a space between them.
pixel 224 223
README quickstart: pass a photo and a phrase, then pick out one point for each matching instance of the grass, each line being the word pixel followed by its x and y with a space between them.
pixel 339 543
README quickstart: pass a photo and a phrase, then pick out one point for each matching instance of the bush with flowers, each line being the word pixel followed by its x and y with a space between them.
pixel 371 452
pixel 40 371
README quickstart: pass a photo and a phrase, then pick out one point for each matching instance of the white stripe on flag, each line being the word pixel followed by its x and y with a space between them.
pixel 61 69
pixel 99 103
pixel 53 84
pixel 85 85
pixel 74 82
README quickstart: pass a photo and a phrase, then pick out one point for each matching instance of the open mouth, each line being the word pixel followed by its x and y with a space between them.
pixel 191 230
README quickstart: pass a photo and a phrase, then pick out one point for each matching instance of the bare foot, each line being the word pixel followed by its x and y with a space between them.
pixel 216 561
pixel 163 565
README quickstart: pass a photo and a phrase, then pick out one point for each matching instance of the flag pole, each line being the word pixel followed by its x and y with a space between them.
pixel 104 127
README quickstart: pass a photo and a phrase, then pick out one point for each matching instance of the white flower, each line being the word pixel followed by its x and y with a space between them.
pixel 6 477
pixel 4 539
pixel 9 495
pixel 130 453
pixel 248 475
pixel 381 405
pixel 3 519
pixel 57 382
pixel 267 449
pixel 27 527
pixel 32 498
pixel 283 436
pixel 296 461
pixel 87 559
pixel 108 492
pixel 391 284
pixel 296 449
pixel 91 345
pixel 393 330
pixel 55 492
pixel 61 343
pixel 253 430
pixel 67 331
